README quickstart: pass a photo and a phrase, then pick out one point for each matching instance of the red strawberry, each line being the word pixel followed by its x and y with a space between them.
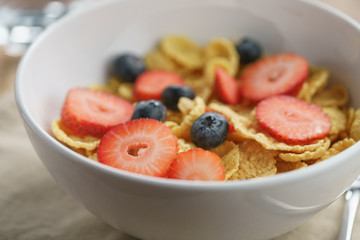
pixel 278 74
pixel 151 84
pixel 292 120
pixel 197 164
pixel 226 87
pixel 144 146
pixel 86 112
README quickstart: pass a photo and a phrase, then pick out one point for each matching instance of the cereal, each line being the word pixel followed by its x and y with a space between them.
pixel 184 145
pixel 355 126
pixel 255 161
pixel 183 129
pixel 185 105
pixel 283 166
pixel 350 118
pixel 125 91
pixel 338 119
pixel 231 162
pixel 183 51
pixel 222 48
pixel 334 97
pixel 249 150
pixel 224 148
pixel 307 155
pixel 338 147
pixel 211 66
pixel 87 143
pixel 315 83
pixel 202 87
pixel 158 60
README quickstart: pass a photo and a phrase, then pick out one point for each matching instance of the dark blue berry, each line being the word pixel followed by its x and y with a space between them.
pixel 171 95
pixel 150 109
pixel 209 130
pixel 249 50
pixel 128 67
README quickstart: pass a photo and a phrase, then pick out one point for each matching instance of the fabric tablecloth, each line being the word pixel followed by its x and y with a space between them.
pixel 33 206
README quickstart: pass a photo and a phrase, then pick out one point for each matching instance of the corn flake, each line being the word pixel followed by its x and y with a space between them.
pixel 255 161
pixel 336 96
pixel 308 155
pixel 224 148
pixel 283 166
pixel 202 87
pixel 337 148
pixel 87 143
pixel 355 126
pixel 182 50
pixel 338 121
pixel 316 82
pixel 231 161
pixel 184 145
pixel 158 60
pixel 211 66
pixel 224 49
pixel 183 130
pixel 350 118
pixel 125 91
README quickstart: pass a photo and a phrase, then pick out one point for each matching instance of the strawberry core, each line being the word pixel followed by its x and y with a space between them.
pixel 276 74
pixel 136 150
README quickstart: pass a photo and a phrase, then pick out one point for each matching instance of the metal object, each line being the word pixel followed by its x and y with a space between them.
pixel 352 201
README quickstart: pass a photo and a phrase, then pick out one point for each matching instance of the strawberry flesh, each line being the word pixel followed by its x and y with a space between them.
pixel 197 164
pixel 150 84
pixel 292 120
pixel 86 112
pixel 143 146
pixel 226 87
pixel 282 73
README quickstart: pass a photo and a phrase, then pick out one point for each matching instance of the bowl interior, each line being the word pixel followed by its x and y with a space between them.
pixel 76 51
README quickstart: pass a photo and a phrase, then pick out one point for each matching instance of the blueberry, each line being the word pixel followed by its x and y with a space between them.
pixel 171 95
pixel 249 50
pixel 150 109
pixel 209 130
pixel 128 67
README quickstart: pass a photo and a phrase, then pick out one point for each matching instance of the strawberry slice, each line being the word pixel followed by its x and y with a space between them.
pixel 292 120
pixel 197 164
pixel 226 87
pixel 150 84
pixel 86 112
pixel 144 146
pixel 278 74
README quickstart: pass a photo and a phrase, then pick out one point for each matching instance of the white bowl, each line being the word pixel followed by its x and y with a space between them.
pixel 75 52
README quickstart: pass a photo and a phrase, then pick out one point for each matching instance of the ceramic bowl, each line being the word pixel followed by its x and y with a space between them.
pixel 75 52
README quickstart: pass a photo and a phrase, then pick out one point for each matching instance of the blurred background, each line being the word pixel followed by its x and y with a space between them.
pixel 21 22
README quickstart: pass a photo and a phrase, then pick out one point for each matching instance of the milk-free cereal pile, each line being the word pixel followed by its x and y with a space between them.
pixel 222 111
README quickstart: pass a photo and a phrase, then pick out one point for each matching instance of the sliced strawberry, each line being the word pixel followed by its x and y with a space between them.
pixel 197 164
pixel 292 120
pixel 144 146
pixel 226 87
pixel 151 84
pixel 278 74
pixel 86 112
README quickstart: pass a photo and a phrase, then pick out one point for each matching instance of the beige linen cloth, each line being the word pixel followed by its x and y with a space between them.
pixel 34 207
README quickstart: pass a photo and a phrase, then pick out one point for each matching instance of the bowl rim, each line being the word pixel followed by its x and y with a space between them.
pixel 292 176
